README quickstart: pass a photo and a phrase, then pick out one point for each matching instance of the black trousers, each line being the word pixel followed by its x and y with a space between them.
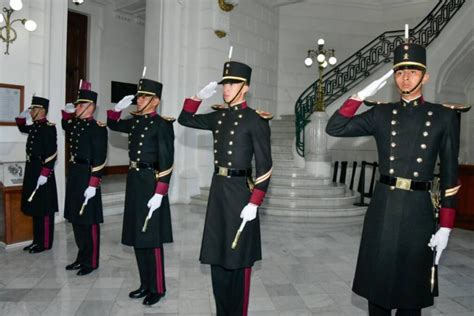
pixel 151 267
pixel 375 310
pixel 88 242
pixel 43 231
pixel 231 290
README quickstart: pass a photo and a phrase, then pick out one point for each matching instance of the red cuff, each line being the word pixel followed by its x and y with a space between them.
pixel 349 108
pixel 257 197
pixel 162 188
pixel 20 120
pixel 191 106
pixel 446 217
pixel 66 115
pixel 94 182
pixel 112 115
pixel 45 171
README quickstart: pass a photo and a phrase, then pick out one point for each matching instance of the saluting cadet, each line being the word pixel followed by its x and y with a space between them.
pixel 147 218
pixel 87 139
pixel 39 197
pixel 396 263
pixel 240 134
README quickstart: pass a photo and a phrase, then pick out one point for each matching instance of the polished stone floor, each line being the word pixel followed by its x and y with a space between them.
pixel 307 270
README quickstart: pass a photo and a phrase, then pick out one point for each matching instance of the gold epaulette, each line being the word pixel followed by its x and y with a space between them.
pixel 372 103
pixel 51 124
pixel 264 115
pixel 219 107
pixel 101 124
pixel 168 118
pixel 457 107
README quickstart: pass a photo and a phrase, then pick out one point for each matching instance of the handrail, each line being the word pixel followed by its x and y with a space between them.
pixel 366 60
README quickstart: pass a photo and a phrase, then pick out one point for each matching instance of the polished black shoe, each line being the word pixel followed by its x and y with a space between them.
pixel 152 298
pixel 84 271
pixel 37 249
pixel 138 293
pixel 27 248
pixel 73 266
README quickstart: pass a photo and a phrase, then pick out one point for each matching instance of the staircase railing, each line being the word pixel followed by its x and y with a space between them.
pixel 366 60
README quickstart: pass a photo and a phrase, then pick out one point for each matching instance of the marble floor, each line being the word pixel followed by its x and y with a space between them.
pixel 307 270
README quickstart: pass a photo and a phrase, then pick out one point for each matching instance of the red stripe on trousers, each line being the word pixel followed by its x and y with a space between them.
pixel 245 307
pixel 159 271
pixel 46 232
pixel 94 246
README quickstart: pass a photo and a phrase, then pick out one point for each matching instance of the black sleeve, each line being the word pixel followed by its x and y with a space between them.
pixel 165 156
pixel 448 156
pixel 21 124
pixel 50 148
pixel 263 154
pixel 119 125
pixel 199 121
pixel 358 125
pixel 99 152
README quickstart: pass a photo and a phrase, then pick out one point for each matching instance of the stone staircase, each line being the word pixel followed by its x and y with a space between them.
pixel 295 196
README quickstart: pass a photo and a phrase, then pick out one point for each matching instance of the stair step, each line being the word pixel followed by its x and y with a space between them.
pixel 281 148
pixel 281 123
pixel 283 142
pixel 282 163
pixel 282 155
pixel 303 203
pixel 312 191
pixel 283 129
pixel 348 211
pixel 299 181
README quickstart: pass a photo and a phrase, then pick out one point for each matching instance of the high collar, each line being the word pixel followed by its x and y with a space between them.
pixel 87 119
pixel 414 102
pixel 239 106
pixel 41 121
pixel 147 115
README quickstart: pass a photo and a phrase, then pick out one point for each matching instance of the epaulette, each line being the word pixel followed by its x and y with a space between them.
pixel 372 103
pixel 457 107
pixel 219 107
pixel 51 124
pixel 101 124
pixel 264 115
pixel 168 118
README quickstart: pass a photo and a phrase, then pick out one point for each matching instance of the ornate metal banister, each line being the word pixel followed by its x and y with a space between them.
pixel 366 60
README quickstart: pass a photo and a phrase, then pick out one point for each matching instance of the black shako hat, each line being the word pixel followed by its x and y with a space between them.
pixel 236 72
pixel 409 55
pixel 86 96
pixel 39 102
pixel 149 87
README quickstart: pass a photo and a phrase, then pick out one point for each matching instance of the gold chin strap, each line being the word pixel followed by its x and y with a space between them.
pixel 235 96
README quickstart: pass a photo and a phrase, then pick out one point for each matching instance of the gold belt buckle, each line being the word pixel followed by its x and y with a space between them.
pixel 223 171
pixel 403 184
pixel 133 165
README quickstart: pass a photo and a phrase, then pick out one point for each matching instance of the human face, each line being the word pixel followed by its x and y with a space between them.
pixel 144 100
pixel 231 91
pixel 37 113
pixel 84 110
pixel 410 79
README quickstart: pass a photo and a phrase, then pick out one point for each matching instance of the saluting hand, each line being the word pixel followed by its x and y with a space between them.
pixel 208 91
pixel 374 87
pixel 439 241
pixel 25 114
pixel 249 212
pixel 124 103
pixel 70 108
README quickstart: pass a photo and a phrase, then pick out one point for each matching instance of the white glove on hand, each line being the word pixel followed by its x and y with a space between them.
pixel 374 87
pixel 154 203
pixel 41 180
pixel 124 103
pixel 439 241
pixel 25 114
pixel 249 212
pixel 208 91
pixel 70 108
pixel 89 193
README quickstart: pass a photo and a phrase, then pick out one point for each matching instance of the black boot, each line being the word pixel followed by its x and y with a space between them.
pixel 84 271
pixel 139 293
pixel 152 298
pixel 73 266
pixel 27 248
pixel 36 249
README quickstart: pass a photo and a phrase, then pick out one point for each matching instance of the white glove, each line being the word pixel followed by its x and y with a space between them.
pixel 89 193
pixel 208 91
pixel 249 212
pixel 439 241
pixel 25 114
pixel 124 103
pixel 154 203
pixel 70 108
pixel 374 87
pixel 41 180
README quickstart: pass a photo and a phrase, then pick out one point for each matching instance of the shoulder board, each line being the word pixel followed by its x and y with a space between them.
pixel 51 124
pixel 168 118
pixel 457 107
pixel 219 107
pixel 372 103
pixel 101 124
pixel 264 115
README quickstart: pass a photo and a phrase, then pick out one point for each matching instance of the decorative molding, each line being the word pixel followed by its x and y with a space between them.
pixel 220 33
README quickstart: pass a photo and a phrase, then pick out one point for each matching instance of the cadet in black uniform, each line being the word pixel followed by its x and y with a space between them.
pixel 39 197
pixel 394 267
pixel 240 134
pixel 151 152
pixel 87 139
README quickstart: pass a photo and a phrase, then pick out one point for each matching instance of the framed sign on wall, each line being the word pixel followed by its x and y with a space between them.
pixel 11 102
